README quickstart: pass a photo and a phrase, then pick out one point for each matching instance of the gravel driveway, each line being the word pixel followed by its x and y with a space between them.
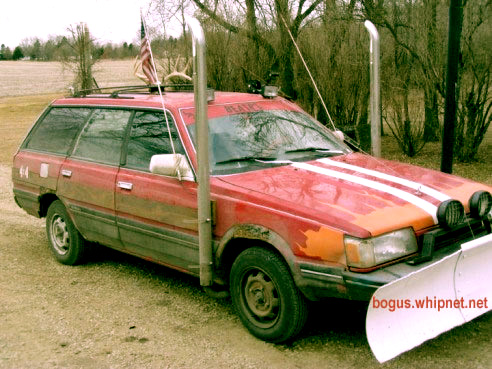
pixel 120 312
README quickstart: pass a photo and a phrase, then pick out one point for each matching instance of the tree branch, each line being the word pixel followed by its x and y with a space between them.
pixel 232 28
pixel 301 16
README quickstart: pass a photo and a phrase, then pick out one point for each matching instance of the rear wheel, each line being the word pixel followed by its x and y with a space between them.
pixel 66 243
pixel 265 297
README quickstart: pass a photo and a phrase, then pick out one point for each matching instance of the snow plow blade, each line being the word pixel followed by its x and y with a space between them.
pixel 423 304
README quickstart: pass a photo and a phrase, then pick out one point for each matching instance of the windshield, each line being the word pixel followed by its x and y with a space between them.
pixel 252 140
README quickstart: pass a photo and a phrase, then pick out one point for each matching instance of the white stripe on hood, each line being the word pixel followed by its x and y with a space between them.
pixel 428 207
pixel 404 182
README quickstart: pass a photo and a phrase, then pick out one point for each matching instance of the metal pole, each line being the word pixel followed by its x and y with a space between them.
pixel 375 89
pixel 454 36
pixel 204 208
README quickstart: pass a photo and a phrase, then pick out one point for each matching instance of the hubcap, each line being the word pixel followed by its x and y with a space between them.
pixel 261 297
pixel 59 235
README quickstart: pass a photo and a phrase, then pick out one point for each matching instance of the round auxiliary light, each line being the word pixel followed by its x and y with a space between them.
pixel 480 204
pixel 450 213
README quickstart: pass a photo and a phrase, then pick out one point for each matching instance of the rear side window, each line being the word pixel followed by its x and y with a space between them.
pixel 149 136
pixel 57 130
pixel 102 137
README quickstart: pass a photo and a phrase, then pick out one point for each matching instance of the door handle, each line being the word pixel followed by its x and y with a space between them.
pixel 66 173
pixel 125 185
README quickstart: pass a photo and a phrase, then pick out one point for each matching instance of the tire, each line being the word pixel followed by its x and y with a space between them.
pixel 66 243
pixel 265 297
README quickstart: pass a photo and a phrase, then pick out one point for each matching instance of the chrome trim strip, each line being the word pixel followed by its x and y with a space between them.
pixel 322 274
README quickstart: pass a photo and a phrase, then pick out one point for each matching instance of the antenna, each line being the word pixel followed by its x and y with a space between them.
pixel 309 72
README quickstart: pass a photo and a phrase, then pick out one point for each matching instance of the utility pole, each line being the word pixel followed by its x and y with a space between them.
pixel 454 36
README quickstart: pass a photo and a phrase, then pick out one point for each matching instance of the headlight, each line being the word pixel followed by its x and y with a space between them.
pixel 450 213
pixel 368 252
pixel 480 204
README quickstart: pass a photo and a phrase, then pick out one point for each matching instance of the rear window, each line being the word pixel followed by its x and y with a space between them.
pixel 57 130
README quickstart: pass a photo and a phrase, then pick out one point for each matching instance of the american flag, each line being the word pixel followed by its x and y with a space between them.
pixel 145 57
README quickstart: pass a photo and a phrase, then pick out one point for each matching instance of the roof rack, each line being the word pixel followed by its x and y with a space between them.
pixel 115 91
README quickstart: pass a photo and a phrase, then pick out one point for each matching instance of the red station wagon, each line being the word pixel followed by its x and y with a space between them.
pixel 296 214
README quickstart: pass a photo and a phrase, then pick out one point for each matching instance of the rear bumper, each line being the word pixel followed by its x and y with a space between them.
pixel 29 201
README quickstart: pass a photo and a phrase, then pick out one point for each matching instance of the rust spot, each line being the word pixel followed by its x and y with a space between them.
pixel 252 232
pixel 325 244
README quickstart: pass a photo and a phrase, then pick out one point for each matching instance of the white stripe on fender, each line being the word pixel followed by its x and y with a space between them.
pixel 408 197
pixel 405 182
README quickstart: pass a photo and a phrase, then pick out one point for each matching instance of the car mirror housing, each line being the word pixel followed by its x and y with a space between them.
pixel 174 165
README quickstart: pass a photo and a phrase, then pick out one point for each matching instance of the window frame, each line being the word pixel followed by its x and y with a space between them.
pixel 125 130
pixel 126 137
pixel 172 121
pixel 34 128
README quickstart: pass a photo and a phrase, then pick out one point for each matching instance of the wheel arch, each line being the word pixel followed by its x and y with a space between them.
pixel 44 203
pixel 243 236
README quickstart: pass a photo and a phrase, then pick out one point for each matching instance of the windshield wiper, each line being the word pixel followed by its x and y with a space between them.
pixel 256 159
pixel 321 150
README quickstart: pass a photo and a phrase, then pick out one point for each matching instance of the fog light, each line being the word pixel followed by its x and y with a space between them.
pixel 450 213
pixel 480 204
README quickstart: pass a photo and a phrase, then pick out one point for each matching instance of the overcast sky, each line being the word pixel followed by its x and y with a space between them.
pixel 114 21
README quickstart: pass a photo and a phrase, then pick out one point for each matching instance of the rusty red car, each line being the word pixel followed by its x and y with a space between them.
pixel 252 195
pixel 296 214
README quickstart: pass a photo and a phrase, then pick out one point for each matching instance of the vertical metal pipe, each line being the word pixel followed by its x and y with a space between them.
pixel 454 38
pixel 375 89
pixel 204 208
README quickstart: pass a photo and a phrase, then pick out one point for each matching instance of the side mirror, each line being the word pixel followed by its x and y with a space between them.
pixel 174 165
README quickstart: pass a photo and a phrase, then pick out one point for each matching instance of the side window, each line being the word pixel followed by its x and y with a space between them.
pixel 149 136
pixel 57 130
pixel 102 137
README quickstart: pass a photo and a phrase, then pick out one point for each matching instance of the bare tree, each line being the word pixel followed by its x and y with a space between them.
pixel 83 61
pixel 474 81
pixel 288 16
pixel 413 26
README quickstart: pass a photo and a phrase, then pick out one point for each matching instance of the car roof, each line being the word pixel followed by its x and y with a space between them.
pixel 171 99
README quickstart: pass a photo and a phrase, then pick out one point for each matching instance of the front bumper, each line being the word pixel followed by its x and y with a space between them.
pixel 318 281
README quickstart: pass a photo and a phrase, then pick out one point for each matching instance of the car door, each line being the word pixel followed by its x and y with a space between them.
pixel 156 214
pixel 87 178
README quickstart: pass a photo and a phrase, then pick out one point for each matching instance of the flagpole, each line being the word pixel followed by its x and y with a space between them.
pixel 159 89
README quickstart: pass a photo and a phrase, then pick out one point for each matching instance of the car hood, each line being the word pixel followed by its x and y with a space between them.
pixel 357 192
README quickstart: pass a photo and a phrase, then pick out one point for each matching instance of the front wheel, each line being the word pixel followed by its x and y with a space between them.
pixel 66 243
pixel 265 296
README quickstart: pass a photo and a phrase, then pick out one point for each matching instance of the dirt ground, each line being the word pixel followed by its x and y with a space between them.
pixel 120 312
pixel 117 311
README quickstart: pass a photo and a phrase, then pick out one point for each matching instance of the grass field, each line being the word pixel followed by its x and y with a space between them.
pixel 27 87
pixel 21 78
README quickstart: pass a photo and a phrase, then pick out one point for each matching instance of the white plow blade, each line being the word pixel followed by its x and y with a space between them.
pixel 420 306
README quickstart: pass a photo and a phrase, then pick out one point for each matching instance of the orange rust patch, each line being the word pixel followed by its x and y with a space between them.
pixel 395 217
pixel 353 253
pixel 326 244
pixel 391 217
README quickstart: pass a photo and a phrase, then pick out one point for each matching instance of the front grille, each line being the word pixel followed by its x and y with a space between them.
pixel 439 238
